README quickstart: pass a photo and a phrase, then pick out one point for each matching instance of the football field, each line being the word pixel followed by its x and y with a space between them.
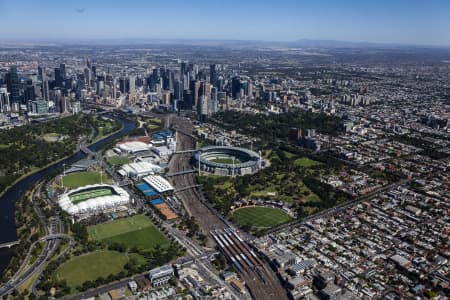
pixel 137 231
pixel 260 217
pixel 83 178
pixel 82 196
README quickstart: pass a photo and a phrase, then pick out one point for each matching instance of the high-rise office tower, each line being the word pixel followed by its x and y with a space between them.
pixel 94 71
pixel 132 84
pixel 124 85
pixel 5 105
pixel 44 85
pixel 183 68
pixel 205 89
pixel 250 90
pixel 235 87
pixel 188 100
pixel 213 74
pixel 13 85
pixel 58 77
pixel 195 87
pixel 204 95
pixel 62 67
pixel 202 108
pixel 87 76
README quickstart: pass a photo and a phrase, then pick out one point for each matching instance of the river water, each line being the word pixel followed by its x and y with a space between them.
pixel 7 201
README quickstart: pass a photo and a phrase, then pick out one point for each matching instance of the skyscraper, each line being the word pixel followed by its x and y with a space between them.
pixel 13 85
pixel 44 85
pixel 59 79
pixel 213 74
pixel 195 87
pixel 62 67
pixel 5 105
pixel 132 84
pixel 87 76
pixel 235 87
pixel 188 100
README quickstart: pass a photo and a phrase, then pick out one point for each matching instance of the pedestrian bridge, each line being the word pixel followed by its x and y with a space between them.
pixel 9 244
pixel 185 151
pixel 180 173
pixel 187 188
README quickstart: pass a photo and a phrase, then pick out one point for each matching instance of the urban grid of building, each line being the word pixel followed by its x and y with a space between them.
pixel 388 159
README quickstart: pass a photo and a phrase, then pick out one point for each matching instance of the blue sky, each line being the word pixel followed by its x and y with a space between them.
pixel 392 21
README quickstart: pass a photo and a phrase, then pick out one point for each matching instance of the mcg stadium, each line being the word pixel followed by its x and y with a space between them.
pixel 227 161
pixel 92 199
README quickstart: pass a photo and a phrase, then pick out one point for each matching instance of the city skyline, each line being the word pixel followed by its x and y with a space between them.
pixel 399 22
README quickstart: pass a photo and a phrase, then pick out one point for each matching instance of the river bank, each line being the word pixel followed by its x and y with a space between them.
pixel 16 191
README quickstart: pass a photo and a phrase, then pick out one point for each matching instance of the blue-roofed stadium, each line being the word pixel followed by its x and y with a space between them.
pixel 162 135
pixel 157 201
pixel 147 190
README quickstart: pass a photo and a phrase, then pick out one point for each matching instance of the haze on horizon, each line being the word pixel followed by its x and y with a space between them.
pixel 385 21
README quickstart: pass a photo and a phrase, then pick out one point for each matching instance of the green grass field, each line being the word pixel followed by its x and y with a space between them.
pixel 260 217
pixel 306 162
pixel 82 196
pixel 227 161
pixel 92 266
pixel 118 160
pixel 153 126
pixel 51 137
pixel 137 231
pixel 83 178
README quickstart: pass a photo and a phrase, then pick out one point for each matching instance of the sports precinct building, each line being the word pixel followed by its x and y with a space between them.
pixel 228 161
pixel 91 199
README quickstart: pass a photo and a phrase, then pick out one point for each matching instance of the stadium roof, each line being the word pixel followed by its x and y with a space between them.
pixel 134 146
pixel 95 204
pixel 158 183
pixel 140 169
pixel 252 158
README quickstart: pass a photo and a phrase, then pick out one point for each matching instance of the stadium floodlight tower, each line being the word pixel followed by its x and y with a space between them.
pixel 199 162
pixel 233 170
pixel 63 174
pixel 260 160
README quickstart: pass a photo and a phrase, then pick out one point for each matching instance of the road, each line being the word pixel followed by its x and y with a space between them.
pixel 338 208
pixel 51 240
pixel 262 284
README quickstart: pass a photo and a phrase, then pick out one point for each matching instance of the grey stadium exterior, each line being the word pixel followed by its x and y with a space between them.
pixel 242 161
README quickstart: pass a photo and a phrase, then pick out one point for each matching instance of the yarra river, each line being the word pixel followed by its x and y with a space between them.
pixel 7 201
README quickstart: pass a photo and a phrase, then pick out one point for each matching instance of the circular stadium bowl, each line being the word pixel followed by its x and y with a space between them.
pixel 227 161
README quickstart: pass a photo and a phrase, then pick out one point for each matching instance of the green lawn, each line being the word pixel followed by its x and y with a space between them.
pixel 289 154
pixel 91 266
pixel 118 160
pixel 306 162
pixel 82 196
pixel 228 161
pixel 137 231
pixel 260 217
pixel 83 178
pixel 51 137
pixel 155 120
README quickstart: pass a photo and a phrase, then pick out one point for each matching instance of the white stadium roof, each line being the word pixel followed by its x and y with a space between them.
pixel 158 183
pixel 134 146
pixel 95 204
pixel 140 169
